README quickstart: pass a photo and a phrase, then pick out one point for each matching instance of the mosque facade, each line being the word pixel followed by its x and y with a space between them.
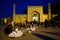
pixel 34 13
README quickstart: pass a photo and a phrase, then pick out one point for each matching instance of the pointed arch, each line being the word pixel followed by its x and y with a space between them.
pixel 35 16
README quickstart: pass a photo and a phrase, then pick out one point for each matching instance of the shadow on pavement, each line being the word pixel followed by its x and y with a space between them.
pixel 52 33
pixel 43 36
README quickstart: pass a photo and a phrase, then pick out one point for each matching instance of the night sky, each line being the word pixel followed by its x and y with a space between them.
pixel 6 6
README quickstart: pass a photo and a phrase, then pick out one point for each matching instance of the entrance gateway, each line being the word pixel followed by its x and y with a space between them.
pixel 35 16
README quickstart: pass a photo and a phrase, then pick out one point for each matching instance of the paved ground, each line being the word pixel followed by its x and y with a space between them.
pixel 41 34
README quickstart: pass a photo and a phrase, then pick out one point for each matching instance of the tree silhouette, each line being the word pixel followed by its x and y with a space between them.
pixel 25 11
pixel 55 8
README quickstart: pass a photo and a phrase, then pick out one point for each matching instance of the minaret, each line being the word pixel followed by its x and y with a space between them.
pixel 14 12
pixel 49 11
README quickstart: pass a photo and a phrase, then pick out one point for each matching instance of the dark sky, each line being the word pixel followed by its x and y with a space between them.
pixel 6 6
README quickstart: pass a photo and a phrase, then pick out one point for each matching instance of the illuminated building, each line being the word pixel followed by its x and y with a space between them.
pixel 33 13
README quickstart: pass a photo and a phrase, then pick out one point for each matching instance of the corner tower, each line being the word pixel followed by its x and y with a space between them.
pixel 49 11
pixel 14 9
pixel 14 12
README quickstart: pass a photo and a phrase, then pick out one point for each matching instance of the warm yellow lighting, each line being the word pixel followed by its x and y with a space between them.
pixel 38 10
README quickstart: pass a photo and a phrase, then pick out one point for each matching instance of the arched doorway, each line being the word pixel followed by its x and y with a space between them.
pixel 36 16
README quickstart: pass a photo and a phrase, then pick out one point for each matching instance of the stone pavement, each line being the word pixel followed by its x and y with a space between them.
pixel 41 34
